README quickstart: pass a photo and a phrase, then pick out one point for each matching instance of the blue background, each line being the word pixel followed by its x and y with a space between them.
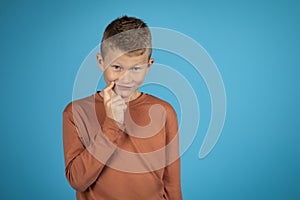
pixel 255 45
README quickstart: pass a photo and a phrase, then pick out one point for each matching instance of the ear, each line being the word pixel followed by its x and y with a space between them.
pixel 100 62
pixel 151 61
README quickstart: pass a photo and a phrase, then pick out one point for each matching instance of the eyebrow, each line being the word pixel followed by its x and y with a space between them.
pixel 136 64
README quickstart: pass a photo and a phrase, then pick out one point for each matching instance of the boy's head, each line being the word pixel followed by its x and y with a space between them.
pixel 125 54
pixel 129 35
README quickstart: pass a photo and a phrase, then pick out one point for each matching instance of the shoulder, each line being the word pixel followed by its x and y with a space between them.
pixel 79 103
pixel 170 115
pixel 166 105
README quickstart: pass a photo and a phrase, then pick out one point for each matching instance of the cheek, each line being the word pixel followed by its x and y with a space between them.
pixel 110 76
pixel 139 79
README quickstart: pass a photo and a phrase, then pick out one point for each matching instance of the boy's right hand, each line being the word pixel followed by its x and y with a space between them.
pixel 114 104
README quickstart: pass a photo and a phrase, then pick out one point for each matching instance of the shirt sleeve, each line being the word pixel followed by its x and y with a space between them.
pixel 85 163
pixel 171 178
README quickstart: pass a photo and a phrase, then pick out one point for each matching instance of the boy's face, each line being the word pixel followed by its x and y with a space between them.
pixel 127 71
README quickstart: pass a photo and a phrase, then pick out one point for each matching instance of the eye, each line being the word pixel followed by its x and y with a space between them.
pixel 136 69
pixel 116 68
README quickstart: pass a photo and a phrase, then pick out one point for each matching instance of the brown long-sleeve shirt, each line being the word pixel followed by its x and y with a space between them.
pixel 138 160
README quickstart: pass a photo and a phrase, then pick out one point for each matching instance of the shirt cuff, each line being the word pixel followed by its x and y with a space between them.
pixel 113 130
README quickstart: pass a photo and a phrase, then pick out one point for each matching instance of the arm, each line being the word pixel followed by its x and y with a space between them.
pixel 82 163
pixel 86 156
pixel 171 176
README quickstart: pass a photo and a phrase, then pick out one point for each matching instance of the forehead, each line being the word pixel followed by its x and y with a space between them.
pixel 125 60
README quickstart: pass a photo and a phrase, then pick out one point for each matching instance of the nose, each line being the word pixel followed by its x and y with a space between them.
pixel 125 77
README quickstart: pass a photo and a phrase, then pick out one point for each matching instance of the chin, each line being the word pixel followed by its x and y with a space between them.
pixel 124 94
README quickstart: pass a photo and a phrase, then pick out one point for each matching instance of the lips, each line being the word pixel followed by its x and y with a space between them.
pixel 124 87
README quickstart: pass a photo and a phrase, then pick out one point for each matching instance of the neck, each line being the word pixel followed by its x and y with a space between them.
pixel 133 96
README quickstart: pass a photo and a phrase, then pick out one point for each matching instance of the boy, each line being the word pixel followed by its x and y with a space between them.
pixel 121 143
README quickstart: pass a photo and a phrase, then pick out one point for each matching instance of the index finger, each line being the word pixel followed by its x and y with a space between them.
pixel 107 92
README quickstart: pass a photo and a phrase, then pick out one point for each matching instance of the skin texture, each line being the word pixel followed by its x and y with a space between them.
pixel 123 75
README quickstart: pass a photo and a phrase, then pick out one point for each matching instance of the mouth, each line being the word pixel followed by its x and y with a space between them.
pixel 123 87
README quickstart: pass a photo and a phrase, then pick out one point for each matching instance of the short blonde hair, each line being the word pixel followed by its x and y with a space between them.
pixel 128 34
